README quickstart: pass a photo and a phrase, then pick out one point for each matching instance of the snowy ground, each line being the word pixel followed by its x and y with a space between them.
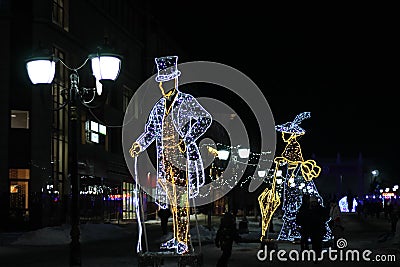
pixel 114 245
pixel 60 235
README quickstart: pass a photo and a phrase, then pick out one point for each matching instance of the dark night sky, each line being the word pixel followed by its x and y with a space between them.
pixel 336 62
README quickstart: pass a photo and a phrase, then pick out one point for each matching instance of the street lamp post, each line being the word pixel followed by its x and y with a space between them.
pixel 75 247
pixel 41 70
pixel 373 179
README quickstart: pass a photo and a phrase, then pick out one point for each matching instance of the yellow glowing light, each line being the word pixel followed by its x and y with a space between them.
pixel 174 152
pixel 212 151
pixel 292 156
pixel 180 210
pixel 174 181
pixel 269 201
pixel 386 194
pixel 310 170
pixel 170 93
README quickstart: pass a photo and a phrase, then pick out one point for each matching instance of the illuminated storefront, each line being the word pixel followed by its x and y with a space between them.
pixel 106 201
pixel 19 192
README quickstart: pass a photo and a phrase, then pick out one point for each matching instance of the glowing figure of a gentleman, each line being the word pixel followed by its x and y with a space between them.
pixel 175 122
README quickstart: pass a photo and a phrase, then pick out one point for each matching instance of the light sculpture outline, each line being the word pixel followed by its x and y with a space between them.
pixel 269 201
pixel 175 122
pixel 295 171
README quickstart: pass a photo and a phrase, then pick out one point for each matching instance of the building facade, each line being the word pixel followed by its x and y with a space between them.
pixel 34 182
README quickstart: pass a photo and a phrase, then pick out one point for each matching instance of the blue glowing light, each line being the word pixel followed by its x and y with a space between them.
pixel 343 204
pixel 293 127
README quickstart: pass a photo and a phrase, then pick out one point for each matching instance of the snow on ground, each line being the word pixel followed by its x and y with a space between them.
pixel 99 254
pixel 206 235
pixel 60 235
pixel 45 236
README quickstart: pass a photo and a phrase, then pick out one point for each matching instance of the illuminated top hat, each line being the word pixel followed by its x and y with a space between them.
pixel 293 127
pixel 167 68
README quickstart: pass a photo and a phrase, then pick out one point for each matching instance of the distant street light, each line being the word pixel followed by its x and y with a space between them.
pixel 261 174
pixel 244 153
pixel 373 178
pixel 41 70
pixel 223 154
pixel 375 173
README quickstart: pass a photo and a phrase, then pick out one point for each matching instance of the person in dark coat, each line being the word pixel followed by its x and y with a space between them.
pixel 226 235
pixel 318 216
pixel 350 200
pixel 302 221
pixel 164 215
pixel 394 215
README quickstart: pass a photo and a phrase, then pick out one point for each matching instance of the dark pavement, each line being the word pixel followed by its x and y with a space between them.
pixel 360 233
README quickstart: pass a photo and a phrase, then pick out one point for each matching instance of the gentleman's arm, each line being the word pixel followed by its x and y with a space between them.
pixel 148 136
pixel 200 120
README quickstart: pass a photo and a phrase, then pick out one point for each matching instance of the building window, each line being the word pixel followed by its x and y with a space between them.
pixel 128 201
pixel 19 119
pixel 60 13
pixel 112 201
pixel 19 191
pixel 59 133
pixel 126 97
pixel 95 132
